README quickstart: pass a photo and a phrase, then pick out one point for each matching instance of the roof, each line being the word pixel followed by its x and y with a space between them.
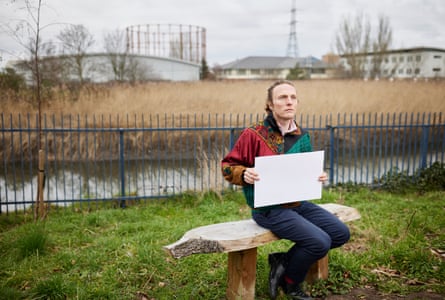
pixel 404 50
pixel 274 62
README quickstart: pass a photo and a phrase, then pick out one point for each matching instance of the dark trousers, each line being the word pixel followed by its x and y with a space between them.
pixel 313 229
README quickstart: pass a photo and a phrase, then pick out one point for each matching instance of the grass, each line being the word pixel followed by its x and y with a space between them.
pixel 117 253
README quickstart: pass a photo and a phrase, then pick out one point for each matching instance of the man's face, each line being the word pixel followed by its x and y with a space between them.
pixel 284 102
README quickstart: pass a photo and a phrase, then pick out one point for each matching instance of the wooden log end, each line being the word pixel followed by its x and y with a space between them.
pixel 186 247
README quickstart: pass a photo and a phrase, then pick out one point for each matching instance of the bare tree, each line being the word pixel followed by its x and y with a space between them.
pixel 30 29
pixel 26 31
pixel 117 53
pixel 76 40
pixel 125 66
pixel 381 45
pixel 353 41
pixel 40 68
pixel 137 71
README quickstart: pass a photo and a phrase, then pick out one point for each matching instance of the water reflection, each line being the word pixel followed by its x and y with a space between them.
pixel 71 182
pixel 68 183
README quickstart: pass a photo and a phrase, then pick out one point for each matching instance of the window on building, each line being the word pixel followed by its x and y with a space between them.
pixel 394 59
pixel 255 72
pixel 409 71
pixel 417 71
pixel 437 56
pixel 409 58
pixel 401 59
pixel 400 71
pixel 436 69
pixel 318 71
pixel 418 58
pixel 241 72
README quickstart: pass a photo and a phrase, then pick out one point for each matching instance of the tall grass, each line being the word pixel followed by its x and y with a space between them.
pixel 118 254
pixel 112 103
pixel 33 241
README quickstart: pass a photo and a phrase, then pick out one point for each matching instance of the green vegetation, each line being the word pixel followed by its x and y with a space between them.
pixel 296 73
pixel 11 81
pixel 427 179
pixel 117 253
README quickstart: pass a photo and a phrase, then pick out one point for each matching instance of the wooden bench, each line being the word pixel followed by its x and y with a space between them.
pixel 240 240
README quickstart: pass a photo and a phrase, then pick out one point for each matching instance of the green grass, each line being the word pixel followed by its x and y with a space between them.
pixel 117 253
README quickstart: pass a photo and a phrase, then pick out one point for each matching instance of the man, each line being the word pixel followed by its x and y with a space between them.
pixel 313 230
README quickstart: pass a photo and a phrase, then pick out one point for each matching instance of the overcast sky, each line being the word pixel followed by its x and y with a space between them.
pixel 238 28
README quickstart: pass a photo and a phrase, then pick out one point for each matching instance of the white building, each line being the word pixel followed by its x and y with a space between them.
pixel 418 62
pixel 97 68
pixel 273 67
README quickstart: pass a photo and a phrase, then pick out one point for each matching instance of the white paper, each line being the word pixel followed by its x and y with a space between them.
pixel 288 178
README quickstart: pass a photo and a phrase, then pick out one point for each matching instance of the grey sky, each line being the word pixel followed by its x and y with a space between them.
pixel 239 28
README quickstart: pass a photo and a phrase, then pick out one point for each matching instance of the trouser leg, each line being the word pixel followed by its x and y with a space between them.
pixel 313 229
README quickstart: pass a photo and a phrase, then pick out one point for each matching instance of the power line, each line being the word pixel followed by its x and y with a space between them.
pixel 292 46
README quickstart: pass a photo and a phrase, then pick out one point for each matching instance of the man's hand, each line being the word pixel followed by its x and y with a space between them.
pixel 323 177
pixel 250 176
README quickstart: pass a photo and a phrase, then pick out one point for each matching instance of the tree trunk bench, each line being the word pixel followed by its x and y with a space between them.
pixel 240 240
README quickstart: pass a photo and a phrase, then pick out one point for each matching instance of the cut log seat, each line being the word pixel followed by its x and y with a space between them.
pixel 240 240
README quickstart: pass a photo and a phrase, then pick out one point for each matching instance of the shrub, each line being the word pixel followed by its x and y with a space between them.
pixel 428 179
pixel 432 178
pixel 10 80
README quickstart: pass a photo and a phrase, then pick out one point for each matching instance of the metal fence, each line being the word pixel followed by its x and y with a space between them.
pixel 92 160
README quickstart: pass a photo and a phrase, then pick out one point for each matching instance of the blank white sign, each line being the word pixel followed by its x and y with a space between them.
pixel 288 178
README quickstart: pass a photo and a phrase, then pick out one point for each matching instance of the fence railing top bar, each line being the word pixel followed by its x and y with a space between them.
pixel 380 126
pixel 134 129
pixel 13 122
pixel 209 128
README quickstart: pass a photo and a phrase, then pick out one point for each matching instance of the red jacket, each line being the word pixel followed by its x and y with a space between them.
pixel 260 139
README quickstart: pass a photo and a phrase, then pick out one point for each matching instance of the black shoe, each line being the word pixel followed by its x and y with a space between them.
pixel 293 291
pixel 277 268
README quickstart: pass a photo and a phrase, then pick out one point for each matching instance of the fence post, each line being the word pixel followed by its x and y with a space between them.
pixel 331 152
pixel 232 138
pixel 122 166
pixel 424 146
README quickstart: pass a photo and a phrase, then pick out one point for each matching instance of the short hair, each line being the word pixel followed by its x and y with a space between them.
pixel 270 92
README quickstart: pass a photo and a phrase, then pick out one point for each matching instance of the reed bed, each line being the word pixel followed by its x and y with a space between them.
pixel 114 103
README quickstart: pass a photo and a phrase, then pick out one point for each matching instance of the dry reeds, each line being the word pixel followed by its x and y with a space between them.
pixel 240 97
